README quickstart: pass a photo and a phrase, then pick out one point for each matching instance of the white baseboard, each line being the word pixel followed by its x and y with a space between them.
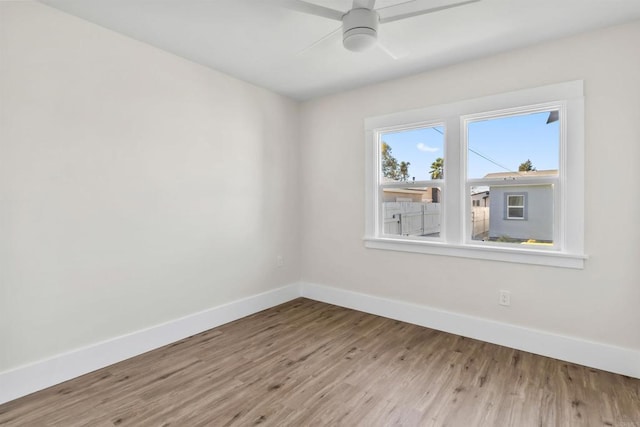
pixel 27 379
pixel 596 355
pixel 30 378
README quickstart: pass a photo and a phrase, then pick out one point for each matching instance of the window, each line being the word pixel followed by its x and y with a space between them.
pixel 498 178
pixel 515 206
pixel 514 157
pixel 411 181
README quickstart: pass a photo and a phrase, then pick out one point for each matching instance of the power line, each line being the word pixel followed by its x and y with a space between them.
pixel 490 160
pixel 478 154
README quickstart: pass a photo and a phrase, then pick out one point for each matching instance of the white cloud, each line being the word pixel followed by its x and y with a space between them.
pixel 424 147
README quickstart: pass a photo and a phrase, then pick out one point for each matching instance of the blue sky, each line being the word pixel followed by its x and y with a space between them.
pixel 420 147
pixel 498 145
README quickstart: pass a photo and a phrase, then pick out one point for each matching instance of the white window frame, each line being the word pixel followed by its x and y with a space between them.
pixel 553 180
pixel 455 240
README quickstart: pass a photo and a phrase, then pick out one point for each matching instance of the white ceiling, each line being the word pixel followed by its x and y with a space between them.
pixel 261 42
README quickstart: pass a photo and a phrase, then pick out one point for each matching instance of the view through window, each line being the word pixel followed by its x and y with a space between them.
pixel 412 177
pixel 512 168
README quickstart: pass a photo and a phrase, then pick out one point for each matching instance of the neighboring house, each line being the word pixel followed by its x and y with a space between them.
pixel 521 212
pixel 480 199
pixel 417 195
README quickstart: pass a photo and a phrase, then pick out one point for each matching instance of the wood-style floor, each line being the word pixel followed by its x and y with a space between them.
pixel 307 363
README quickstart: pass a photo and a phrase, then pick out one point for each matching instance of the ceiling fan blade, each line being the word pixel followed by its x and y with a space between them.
pixel 312 9
pixel 395 5
pixel 392 52
pixel 387 14
pixel 319 41
pixel 364 4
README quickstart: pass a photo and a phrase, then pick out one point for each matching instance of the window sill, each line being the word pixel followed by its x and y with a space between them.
pixel 522 256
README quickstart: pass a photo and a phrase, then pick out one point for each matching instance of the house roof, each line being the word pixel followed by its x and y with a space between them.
pixel 498 175
pixel 419 190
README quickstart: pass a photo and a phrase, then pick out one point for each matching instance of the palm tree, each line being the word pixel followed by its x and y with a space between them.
pixel 437 169
pixel 404 171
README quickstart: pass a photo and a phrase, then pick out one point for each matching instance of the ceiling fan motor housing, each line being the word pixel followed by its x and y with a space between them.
pixel 360 29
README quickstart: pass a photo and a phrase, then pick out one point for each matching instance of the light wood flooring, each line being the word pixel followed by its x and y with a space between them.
pixel 306 363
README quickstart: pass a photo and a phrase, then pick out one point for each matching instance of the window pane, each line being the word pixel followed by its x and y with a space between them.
pixel 413 154
pixel 527 220
pixel 412 211
pixel 516 200
pixel 516 213
pixel 522 145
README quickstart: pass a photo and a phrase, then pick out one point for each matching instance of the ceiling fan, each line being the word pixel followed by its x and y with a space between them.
pixel 360 24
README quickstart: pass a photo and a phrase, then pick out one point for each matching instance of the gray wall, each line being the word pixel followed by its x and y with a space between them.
pixel 538 222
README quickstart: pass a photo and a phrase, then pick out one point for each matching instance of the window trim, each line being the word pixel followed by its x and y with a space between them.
pixel 569 252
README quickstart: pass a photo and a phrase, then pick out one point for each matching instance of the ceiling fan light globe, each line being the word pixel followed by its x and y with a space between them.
pixel 359 39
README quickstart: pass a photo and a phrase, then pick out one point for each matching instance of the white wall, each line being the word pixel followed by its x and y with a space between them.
pixel 599 303
pixel 135 187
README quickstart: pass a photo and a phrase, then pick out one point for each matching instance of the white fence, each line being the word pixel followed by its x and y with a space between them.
pixel 479 223
pixel 411 218
pixel 420 219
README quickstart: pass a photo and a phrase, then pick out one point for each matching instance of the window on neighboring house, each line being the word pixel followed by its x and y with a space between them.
pixel 515 205
pixel 522 152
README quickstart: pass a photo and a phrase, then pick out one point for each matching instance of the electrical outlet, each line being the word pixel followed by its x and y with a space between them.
pixel 279 261
pixel 504 298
